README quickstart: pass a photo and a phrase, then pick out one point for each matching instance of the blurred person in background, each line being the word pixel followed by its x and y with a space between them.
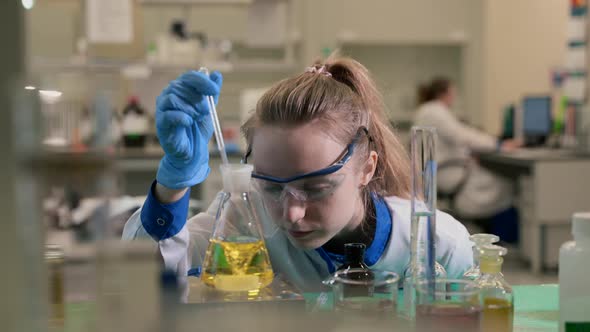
pixel 477 192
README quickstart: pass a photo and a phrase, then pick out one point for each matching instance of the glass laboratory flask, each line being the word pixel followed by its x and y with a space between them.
pixel 478 240
pixel 498 299
pixel 412 275
pixel 356 270
pixel 237 259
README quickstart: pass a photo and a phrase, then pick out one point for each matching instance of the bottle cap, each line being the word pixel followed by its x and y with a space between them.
pixel 491 258
pixel 483 238
pixel 492 251
pixel 581 223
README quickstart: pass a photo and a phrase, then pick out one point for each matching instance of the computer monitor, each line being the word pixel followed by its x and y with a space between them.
pixel 536 119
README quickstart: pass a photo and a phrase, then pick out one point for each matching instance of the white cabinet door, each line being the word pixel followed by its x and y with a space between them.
pixel 398 20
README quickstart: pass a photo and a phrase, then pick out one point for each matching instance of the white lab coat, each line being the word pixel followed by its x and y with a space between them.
pixel 483 193
pixel 307 268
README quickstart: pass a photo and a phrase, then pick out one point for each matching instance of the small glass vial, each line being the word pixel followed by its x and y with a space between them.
pixel 478 241
pixel 54 258
pixel 498 299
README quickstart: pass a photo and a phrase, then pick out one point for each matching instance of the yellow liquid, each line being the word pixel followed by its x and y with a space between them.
pixel 237 266
pixel 497 315
pixel 56 294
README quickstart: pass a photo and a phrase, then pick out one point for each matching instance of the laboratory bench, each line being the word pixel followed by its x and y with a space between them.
pixel 551 184
pixel 536 308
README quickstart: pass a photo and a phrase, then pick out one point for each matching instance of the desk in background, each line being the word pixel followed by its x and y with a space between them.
pixel 551 186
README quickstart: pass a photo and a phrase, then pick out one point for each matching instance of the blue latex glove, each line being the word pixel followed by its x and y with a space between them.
pixel 184 127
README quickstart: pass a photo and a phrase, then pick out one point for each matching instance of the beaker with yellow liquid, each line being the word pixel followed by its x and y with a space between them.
pixel 237 259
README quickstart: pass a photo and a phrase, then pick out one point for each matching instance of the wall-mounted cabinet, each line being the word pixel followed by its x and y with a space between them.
pixel 387 21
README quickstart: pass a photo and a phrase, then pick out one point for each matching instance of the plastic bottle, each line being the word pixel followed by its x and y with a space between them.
pixel 135 124
pixel 574 269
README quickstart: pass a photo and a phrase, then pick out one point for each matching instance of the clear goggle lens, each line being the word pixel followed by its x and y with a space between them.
pixel 305 190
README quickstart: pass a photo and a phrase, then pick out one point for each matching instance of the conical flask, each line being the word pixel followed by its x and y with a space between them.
pixel 237 259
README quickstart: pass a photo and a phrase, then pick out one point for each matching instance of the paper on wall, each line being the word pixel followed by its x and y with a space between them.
pixel 575 58
pixel 576 28
pixel 574 87
pixel 266 26
pixel 109 21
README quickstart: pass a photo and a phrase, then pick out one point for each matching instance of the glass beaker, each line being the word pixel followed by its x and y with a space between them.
pixel 237 259
pixel 456 306
pixel 376 293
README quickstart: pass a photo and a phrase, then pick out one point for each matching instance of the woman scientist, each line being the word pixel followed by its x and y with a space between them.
pixel 478 192
pixel 326 120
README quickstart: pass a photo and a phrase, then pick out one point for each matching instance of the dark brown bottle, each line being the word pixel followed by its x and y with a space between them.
pixel 354 255
pixel 355 269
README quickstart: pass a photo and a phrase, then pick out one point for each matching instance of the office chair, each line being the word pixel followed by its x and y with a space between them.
pixel 449 195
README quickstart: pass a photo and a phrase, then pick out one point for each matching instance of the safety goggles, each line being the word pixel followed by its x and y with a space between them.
pixel 312 186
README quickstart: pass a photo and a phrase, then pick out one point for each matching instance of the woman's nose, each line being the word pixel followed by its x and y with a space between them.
pixel 293 209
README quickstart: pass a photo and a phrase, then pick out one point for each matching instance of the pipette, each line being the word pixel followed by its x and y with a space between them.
pixel 216 125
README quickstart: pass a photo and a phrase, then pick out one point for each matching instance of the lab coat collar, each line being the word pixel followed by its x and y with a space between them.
pixel 380 239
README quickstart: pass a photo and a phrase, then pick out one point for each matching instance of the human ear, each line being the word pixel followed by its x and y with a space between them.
pixel 368 170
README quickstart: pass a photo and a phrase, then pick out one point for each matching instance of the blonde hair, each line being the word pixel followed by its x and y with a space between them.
pixel 341 96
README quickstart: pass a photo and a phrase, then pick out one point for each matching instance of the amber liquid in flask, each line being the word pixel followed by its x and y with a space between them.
pixel 240 265
pixel 237 259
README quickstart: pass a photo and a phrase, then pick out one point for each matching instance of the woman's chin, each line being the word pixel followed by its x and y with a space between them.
pixel 306 240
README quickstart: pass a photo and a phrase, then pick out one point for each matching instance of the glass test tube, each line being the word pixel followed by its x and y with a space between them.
pixel 423 256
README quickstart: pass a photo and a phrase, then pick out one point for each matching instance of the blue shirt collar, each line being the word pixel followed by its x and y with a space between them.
pixel 382 233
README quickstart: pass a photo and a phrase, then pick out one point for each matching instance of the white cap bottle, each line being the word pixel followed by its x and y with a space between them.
pixel 574 269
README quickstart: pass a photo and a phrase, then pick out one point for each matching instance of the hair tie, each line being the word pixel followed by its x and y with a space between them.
pixel 321 70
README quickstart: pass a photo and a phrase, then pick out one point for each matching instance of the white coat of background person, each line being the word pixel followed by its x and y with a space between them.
pixel 479 193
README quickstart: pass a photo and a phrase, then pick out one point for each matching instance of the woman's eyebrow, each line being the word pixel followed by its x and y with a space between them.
pixel 325 179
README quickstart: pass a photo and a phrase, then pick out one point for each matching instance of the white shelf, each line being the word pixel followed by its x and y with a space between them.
pixel 354 39
pixel 224 67
pixel 194 2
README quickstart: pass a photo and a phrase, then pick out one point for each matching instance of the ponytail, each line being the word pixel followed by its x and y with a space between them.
pixel 392 175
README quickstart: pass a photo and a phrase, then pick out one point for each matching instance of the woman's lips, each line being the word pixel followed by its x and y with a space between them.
pixel 299 234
